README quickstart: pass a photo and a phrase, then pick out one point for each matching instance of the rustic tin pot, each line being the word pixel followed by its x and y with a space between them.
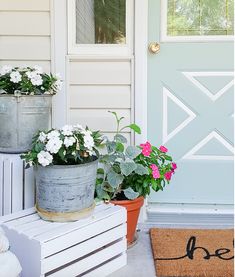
pixel 65 192
pixel 20 118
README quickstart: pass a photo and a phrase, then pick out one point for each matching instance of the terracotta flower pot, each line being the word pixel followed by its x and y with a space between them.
pixel 133 210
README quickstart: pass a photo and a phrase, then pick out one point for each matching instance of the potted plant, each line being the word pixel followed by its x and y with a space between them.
pixel 25 105
pixel 65 163
pixel 128 174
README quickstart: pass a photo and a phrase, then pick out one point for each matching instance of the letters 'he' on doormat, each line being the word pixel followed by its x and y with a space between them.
pixel 192 253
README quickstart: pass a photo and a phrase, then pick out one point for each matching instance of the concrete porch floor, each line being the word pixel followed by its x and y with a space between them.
pixel 139 259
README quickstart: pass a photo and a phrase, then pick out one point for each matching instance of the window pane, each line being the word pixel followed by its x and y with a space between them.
pixel 200 17
pixel 101 21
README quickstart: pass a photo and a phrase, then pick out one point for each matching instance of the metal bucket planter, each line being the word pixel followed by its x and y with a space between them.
pixel 20 118
pixel 65 192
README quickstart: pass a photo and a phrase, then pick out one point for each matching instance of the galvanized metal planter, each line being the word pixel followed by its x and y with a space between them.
pixel 65 192
pixel 20 118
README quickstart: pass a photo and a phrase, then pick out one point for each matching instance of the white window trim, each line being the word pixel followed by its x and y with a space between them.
pixel 99 49
pixel 165 38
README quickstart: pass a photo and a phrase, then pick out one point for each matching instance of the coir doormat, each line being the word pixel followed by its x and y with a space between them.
pixel 192 253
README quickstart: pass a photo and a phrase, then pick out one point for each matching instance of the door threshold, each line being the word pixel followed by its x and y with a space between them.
pixel 190 215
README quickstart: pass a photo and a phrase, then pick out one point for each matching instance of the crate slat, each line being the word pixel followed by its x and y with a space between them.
pixel 83 249
pixel 7 183
pixel 17 215
pixel 91 261
pixel 75 225
pixel 1 186
pixel 108 268
pixel 82 234
pixel 17 186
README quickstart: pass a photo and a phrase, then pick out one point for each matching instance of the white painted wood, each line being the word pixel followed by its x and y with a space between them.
pixel 16 184
pixel 29 188
pixel 100 72
pixel 59 60
pixel 17 175
pixel 7 186
pixel 95 97
pixel 1 186
pixel 98 119
pixel 109 267
pixel 24 48
pixel 183 215
pixel 89 245
pixel 24 5
pixel 140 76
pixel 77 236
pixel 46 65
pixel 28 23
pixel 94 260
pixel 100 49
pixel 83 249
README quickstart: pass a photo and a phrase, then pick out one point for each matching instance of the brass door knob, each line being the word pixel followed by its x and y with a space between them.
pixel 154 47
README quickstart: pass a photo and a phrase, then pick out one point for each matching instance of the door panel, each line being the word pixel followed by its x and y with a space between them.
pixel 190 111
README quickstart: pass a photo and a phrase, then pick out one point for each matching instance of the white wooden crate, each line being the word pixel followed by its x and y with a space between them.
pixel 91 247
pixel 16 184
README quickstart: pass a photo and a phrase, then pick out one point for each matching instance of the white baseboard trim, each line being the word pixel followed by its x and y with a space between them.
pixel 189 215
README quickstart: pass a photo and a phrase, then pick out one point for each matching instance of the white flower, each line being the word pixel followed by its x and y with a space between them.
pixel 5 69
pixel 69 141
pixel 67 130
pixel 38 69
pixel 44 158
pixel 42 137
pixel 58 84
pixel 88 142
pixel 15 77
pixel 37 80
pixel 53 134
pixel 31 74
pixel 78 127
pixel 54 145
pixel 86 132
pixel 34 77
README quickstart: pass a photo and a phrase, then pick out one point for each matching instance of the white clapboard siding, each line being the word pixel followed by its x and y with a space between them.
pixel 16 185
pixel 25 23
pixel 98 119
pixel 24 48
pixel 94 246
pixel 96 86
pixel 102 96
pixel 25 5
pixel 116 72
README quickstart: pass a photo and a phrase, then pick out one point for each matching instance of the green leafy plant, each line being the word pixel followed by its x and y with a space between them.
pixel 127 172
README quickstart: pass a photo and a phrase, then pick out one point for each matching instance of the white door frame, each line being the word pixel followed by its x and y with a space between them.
pixel 141 73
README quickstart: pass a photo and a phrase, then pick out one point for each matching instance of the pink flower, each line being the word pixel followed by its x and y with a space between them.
pixel 168 175
pixel 153 166
pixel 163 149
pixel 156 174
pixel 155 171
pixel 174 166
pixel 146 149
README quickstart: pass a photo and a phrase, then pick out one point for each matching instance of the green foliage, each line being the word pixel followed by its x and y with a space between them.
pixel 126 172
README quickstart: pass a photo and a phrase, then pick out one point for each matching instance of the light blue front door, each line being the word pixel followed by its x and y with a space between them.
pixel 190 97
